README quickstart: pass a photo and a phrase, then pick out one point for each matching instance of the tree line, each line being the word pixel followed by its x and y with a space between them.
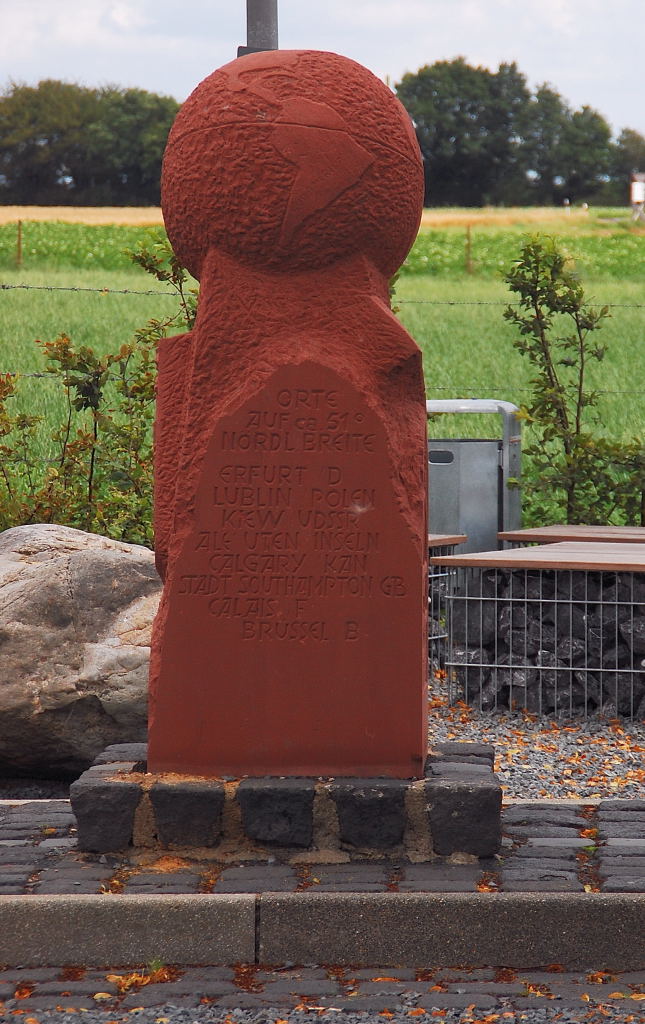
pixel 486 139
pixel 62 144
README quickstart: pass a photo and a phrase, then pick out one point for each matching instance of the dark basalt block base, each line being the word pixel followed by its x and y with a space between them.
pixel 453 811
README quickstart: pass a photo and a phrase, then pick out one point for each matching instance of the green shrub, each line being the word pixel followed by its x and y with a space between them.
pixel 99 477
pixel 574 474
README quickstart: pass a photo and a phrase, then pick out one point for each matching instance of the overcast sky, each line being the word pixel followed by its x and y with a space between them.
pixel 591 51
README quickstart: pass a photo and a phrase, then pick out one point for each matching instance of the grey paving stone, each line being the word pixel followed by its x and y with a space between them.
pixel 359 1003
pixel 386 987
pixel 351 872
pixel 621 805
pixel 169 887
pixel 563 833
pixel 37 1002
pixel 535 871
pixel 564 844
pixel 537 864
pixel 371 812
pixel 628 866
pixel 277 810
pixel 442 869
pixel 202 975
pixel 155 995
pixel 560 817
pixel 351 887
pixel 302 986
pixel 439 885
pixel 251 1000
pixel 544 1003
pixel 626 846
pixel 58 843
pixel 64 887
pixel 457 749
pixel 541 885
pixel 188 813
pixel 31 975
pixel 258 883
pixel 445 1000
pixel 636 817
pixel 297 974
pixel 621 830
pixel 82 987
pixel 205 987
pixel 371 973
pixel 624 885
pixel 452 975
pixel 162 880
pixel 8 871
pixel 489 988
pixel 258 870
pixel 460 769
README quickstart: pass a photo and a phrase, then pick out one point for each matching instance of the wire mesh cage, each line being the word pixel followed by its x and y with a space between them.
pixel 547 640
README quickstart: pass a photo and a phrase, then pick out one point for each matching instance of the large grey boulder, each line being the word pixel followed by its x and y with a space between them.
pixel 76 611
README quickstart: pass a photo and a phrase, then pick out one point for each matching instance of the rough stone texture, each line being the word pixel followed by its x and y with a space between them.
pixel 458 811
pixel 104 812
pixel 557 640
pixel 75 618
pixel 123 930
pixel 464 815
pixel 577 930
pixel 277 811
pixel 371 812
pixel 290 456
pixel 190 815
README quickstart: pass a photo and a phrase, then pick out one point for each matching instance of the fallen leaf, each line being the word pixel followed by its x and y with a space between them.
pixel 24 991
pixel 100 996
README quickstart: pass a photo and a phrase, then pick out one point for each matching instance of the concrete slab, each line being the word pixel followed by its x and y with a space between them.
pixel 114 929
pixel 576 930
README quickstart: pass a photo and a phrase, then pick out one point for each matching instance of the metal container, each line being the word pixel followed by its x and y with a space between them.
pixel 469 480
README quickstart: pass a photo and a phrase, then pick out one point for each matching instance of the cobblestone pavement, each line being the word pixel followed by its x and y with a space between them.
pixel 120 992
pixel 548 847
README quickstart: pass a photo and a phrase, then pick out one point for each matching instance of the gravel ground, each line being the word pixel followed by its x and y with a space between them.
pixel 206 1015
pixel 536 758
pixel 548 757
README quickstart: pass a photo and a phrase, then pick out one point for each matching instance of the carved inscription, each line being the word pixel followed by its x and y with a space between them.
pixel 290 521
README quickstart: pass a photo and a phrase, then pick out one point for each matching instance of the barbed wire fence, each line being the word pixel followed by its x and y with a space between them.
pixel 461 387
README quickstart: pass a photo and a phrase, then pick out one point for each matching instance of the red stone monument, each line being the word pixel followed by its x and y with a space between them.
pixel 291 434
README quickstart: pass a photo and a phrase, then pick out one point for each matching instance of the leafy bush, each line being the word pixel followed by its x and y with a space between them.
pixel 574 475
pixel 100 475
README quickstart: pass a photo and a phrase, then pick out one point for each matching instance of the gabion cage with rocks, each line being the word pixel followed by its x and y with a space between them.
pixel 542 639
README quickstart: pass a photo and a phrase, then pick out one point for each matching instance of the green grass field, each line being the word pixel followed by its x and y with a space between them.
pixel 455 317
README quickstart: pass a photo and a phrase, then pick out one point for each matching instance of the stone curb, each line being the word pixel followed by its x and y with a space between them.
pixel 375 929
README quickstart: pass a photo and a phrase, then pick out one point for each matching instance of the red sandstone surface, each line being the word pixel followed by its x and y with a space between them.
pixel 290 435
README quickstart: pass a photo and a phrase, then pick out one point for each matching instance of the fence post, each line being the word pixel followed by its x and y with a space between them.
pixel 19 245
pixel 469 250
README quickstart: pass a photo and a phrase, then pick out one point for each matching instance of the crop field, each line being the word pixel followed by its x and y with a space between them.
pixel 456 316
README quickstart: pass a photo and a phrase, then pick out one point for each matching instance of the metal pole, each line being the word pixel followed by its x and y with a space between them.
pixel 261 26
